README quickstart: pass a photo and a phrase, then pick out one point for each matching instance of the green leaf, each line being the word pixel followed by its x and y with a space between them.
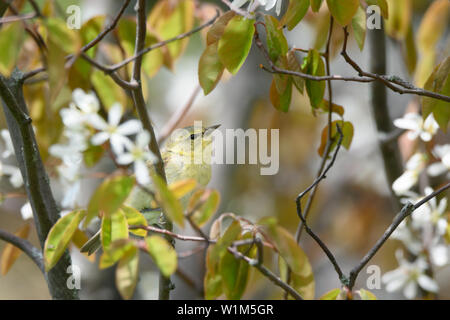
pixel 343 11
pixel 216 31
pixel 67 39
pixel 287 247
pixel 210 203
pixel 11 38
pixel 347 131
pixel 276 41
pixel 127 273
pixel 302 282
pixel 108 91
pixel 135 218
pixel 315 89
pixel 315 5
pixel 116 251
pixel 439 82
pixel 331 295
pixel 281 100
pixel 383 6
pixel 170 204
pixel 213 286
pixel 335 108
pixel 90 30
pixel 359 27
pixel 235 43
pixel 59 237
pixel 235 272
pixel 114 227
pixel 109 196
pixel 210 69
pixel 294 65
pixel 92 155
pixel 218 250
pixel 163 254
pixel 295 12
pixel 366 295
pixel 169 19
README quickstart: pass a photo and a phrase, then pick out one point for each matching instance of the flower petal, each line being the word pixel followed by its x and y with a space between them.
pixel 115 114
pixel 129 127
pixel 100 138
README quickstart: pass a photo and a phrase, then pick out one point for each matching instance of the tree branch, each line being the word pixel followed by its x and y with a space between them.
pixel 406 211
pixel 24 245
pixel 35 177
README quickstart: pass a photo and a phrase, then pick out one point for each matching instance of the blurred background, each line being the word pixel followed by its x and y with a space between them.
pixel 352 208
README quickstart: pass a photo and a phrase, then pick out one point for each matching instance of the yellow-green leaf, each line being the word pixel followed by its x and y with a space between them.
pixel 11 37
pixel 433 25
pixel 302 282
pixel 216 31
pixel 276 41
pixel 10 252
pixel 382 4
pixel 347 131
pixel 163 254
pixel 235 43
pixel 59 237
pixel 294 65
pixel 109 196
pixel 331 295
pixel 359 27
pixel 114 227
pixel 127 273
pixel 366 295
pixel 166 198
pixel 116 251
pixel 210 200
pixel 210 69
pixel 108 91
pixel 295 12
pixel 315 5
pixel 135 218
pixel 316 67
pixel 400 13
pixel 343 10
pixel 281 100
pixel 287 247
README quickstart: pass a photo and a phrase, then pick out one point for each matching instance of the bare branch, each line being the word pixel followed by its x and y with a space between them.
pixel 143 51
pixel 10 19
pixel 71 58
pixel 406 211
pixel 302 218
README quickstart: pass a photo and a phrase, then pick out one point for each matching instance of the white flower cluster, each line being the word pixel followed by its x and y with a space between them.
pixel 12 171
pixel 423 233
pixel 267 4
pixel 83 126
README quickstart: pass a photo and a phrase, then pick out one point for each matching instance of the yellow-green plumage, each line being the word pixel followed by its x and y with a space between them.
pixel 179 164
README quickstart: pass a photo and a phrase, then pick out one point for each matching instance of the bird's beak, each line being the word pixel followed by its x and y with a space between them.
pixel 210 129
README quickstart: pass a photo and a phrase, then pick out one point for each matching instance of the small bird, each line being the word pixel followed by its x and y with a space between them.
pixel 180 162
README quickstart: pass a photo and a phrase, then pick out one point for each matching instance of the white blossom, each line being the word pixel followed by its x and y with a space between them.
pixel 410 177
pixel 417 126
pixel 139 154
pixel 409 276
pixel 26 211
pixel 431 213
pixel 113 131
pixel 268 5
pixel 9 148
pixel 15 176
pixel 438 168
pixel 84 105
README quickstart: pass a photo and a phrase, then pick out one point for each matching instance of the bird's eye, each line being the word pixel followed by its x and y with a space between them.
pixel 192 136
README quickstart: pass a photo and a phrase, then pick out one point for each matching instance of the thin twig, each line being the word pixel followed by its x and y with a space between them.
pixel 394 83
pixel 406 211
pixel 302 218
pixel 143 51
pixel 72 58
pixel 34 253
pixel 10 19
pixel 32 73
pixel 175 120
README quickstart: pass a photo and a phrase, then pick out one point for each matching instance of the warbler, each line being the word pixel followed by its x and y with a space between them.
pixel 186 155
